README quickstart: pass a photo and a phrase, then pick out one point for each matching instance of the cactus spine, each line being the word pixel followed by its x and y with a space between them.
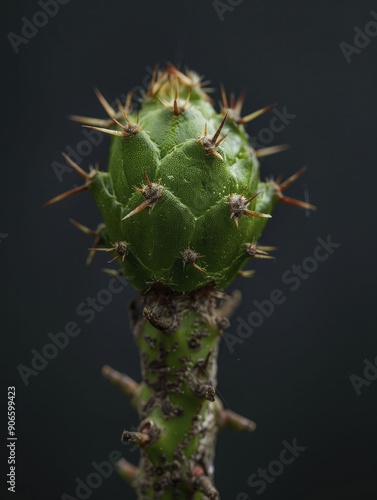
pixel 183 209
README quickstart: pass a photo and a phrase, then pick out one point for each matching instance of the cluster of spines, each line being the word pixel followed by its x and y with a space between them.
pixel 152 191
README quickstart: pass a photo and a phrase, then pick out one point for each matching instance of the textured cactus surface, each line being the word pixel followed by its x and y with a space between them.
pixel 183 208
pixel 182 198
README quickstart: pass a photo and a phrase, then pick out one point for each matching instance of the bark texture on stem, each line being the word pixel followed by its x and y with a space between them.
pixel 178 337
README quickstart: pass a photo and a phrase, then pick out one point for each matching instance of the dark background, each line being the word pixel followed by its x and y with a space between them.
pixel 292 375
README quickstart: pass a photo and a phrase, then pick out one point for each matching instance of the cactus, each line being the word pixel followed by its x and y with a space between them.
pixel 183 208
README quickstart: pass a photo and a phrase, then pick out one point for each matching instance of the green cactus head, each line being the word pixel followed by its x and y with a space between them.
pixel 182 200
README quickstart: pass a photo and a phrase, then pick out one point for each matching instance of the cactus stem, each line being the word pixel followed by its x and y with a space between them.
pixel 106 106
pixel 180 315
pixel 123 382
pixel 177 393
pixel 120 247
pixel 229 418
pixel 127 471
pixel 272 150
pixel 97 233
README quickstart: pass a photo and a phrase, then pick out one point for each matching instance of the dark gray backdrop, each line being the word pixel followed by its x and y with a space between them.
pixel 292 375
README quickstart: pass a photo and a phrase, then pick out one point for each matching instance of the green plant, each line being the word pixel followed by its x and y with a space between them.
pixel 183 209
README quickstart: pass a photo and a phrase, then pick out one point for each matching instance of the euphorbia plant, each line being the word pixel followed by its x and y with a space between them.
pixel 183 208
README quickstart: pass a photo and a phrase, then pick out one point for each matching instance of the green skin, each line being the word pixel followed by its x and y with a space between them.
pixel 193 212
pixel 170 398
